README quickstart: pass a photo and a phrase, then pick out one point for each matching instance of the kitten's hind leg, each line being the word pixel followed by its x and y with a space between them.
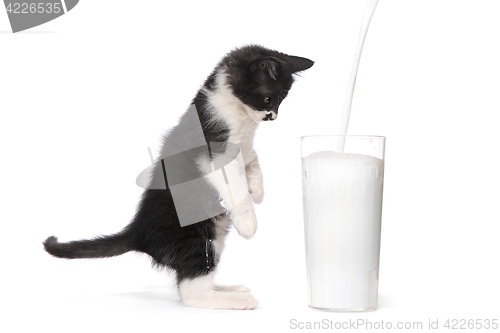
pixel 199 292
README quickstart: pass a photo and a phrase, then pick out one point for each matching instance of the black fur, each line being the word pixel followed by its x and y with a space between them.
pixel 253 73
pixel 256 73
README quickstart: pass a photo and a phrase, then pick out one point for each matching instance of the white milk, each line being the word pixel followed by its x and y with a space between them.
pixel 342 214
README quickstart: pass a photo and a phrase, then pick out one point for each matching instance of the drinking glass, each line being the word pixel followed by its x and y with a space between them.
pixel 342 197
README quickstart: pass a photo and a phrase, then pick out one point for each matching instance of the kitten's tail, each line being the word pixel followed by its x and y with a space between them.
pixel 99 247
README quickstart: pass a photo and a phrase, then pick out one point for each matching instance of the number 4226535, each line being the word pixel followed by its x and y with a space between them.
pixel 32 8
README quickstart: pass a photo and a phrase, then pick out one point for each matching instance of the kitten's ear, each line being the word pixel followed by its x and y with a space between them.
pixel 298 64
pixel 270 65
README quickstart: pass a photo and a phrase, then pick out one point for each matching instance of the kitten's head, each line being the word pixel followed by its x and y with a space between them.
pixel 261 78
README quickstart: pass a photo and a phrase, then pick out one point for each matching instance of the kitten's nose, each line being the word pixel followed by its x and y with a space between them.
pixel 271 115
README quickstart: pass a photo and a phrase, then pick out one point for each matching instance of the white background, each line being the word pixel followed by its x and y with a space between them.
pixel 83 96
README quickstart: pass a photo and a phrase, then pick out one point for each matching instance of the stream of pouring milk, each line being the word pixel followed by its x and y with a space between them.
pixel 365 24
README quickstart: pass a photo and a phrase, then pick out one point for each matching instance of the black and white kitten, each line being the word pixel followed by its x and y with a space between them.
pixel 246 88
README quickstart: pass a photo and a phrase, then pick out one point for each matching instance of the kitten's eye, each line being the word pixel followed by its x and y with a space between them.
pixel 267 100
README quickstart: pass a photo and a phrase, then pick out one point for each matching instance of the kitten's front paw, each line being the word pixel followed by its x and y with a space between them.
pixel 257 195
pixel 255 187
pixel 245 223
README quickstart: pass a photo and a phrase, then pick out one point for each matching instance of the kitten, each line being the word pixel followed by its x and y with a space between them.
pixel 246 88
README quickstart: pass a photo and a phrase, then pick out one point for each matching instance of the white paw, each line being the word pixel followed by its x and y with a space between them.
pixel 245 223
pixel 201 293
pixel 238 288
pixel 223 301
pixel 256 189
pixel 233 301
pixel 250 302
pixel 257 195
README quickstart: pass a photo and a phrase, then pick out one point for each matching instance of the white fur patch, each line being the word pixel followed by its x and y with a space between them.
pixel 241 119
pixel 242 123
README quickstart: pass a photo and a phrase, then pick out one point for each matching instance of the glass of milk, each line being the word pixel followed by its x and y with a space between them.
pixel 342 195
